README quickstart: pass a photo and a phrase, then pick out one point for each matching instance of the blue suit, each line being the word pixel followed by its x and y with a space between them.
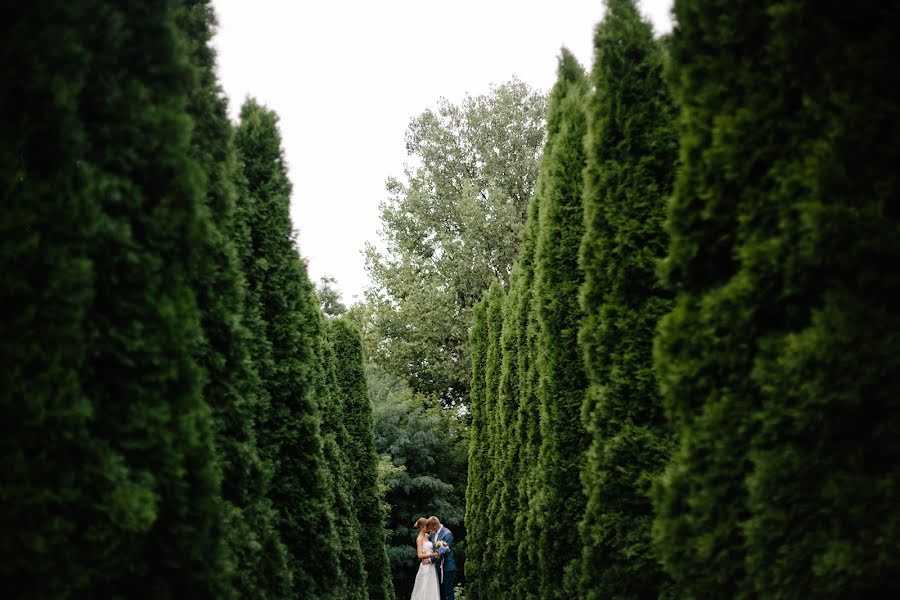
pixel 447 564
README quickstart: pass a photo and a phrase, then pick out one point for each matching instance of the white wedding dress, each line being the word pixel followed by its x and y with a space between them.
pixel 427 587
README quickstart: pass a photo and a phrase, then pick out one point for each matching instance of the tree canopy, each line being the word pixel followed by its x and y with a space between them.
pixel 451 225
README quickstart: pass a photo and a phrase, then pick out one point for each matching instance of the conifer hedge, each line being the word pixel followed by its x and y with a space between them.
pixel 361 457
pixel 631 154
pixel 527 429
pixel 173 419
pixel 478 466
pixel 108 442
pixel 561 377
pixel 233 387
pixel 779 362
pixel 351 581
pixel 291 440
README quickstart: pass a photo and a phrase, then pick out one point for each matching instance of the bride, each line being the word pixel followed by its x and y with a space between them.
pixel 427 587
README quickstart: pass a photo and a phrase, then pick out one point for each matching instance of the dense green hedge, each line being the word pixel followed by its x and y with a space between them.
pixel 528 382
pixel 362 460
pixel 561 376
pixel 165 369
pixel 632 147
pixel 779 362
pixel 739 414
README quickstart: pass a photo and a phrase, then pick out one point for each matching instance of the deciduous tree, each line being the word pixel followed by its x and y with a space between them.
pixel 451 226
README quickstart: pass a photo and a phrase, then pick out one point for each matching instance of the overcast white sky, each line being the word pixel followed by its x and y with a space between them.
pixel 346 77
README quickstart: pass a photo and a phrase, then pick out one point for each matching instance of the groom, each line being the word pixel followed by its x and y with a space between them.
pixel 446 565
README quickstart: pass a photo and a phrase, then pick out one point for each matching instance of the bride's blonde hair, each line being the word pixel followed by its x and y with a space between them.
pixel 421 523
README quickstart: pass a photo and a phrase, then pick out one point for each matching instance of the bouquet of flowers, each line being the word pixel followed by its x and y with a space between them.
pixel 441 547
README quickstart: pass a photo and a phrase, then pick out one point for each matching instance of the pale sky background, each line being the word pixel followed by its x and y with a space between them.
pixel 346 78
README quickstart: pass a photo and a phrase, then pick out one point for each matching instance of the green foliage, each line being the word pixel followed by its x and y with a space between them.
pixel 476 571
pixel 527 443
pixel 505 497
pixel 561 382
pixel 426 445
pixel 351 581
pixel 330 297
pixel 110 481
pixel 779 360
pixel 527 429
pixel 233 388
pixel 291 440
pixel 486 363
pixel 180 419
pixel 631 153
pixel 451 227
pixel 361 457
pixel 494 450
pixel 166 369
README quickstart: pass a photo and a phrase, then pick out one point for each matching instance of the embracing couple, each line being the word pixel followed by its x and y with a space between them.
pixel 437 568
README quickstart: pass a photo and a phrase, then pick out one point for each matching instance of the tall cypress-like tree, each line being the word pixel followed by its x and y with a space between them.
pixel 233 387
pixel 46 264
pixel 492 372
pixel 475 486
pixel 562 380
pixel 485 370
pixel 351 581
pixel 779 362
pixel 110 467
pixel 277 279
pixel 527 428
pixel 631 153
pixel 362 459
pixel 506 493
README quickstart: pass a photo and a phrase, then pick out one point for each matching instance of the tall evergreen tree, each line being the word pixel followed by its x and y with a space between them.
pixel 108 432
pixel 351 581
pixel 233 387
pixel 508 472
pixel 362 459
pixel 779 362
pixel 288 312
pixel 45 260
pixel 561 373
pixel 527 428
pixel 476 489
pixel 493 437
pixel 631 153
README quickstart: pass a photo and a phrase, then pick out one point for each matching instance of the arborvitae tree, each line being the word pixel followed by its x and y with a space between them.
pixel 362 460
pixel 110 476
pixel 506 493
pixel 351 581
pixel 527 429
pixel 275 572
pixel 233 388
pixel 477 568
pixel 49 212
pixel 278 281
pixel 631 153
pixel 561 372
pixel 492 371
pixel 780 361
